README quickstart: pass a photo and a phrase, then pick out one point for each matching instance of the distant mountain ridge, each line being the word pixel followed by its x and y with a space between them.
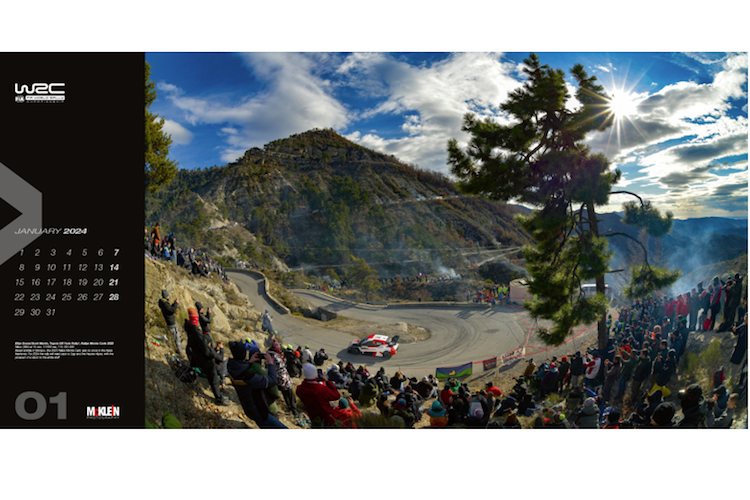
pixel 316 198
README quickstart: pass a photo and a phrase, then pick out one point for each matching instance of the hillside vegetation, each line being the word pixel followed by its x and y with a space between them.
pixel 316 198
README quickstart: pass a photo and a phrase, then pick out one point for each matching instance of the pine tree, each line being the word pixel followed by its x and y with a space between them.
pixel 159 169
pixel 540 159
pixel 362 276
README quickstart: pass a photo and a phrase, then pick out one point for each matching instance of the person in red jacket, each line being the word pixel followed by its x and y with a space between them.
pixel 317 392
pixel 347 413
pixel 491 389
pixel 446 396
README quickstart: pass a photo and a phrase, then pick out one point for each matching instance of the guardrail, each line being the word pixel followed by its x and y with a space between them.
pixel 259 275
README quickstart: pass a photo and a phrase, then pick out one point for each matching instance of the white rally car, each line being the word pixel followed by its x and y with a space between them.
pixel 375 345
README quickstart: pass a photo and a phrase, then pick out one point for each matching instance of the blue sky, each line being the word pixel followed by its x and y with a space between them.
pixel 681 139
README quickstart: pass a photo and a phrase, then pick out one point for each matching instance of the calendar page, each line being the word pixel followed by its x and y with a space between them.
pixel 71 264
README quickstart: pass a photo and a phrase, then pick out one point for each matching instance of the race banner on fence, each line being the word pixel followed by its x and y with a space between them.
pixel 489 364
pixel 513 356
pixel 453 371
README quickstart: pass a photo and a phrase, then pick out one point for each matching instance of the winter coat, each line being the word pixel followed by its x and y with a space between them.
pixel 723 421
pixel 355 387
pixel 293 364
pixel 272 392
pixel 740 347
pixel 396 382
pixel 695 416
pixel 168 311
pixel 549 382
pixel 252 393
pixel 201 352
pixel 642 370
pixel 368 394
pixel 347 416
pixel 626 372
pixel 205 321
pixel 338 380
pixel 423 389
pixel 588 418
pixel 576 366
pixel 592 368
pixel 613 375
pixel 316 396
pixel 665 373
pixel 563 368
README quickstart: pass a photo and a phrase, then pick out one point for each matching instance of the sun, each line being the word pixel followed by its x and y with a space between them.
pixel 623 104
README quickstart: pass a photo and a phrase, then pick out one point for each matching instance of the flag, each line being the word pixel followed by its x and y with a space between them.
pixel 453 371
pixel 489 364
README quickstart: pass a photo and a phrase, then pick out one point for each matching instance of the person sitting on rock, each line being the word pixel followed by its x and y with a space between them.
pixel 316 393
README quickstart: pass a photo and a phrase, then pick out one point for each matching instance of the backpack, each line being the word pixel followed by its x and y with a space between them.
pixel 182 370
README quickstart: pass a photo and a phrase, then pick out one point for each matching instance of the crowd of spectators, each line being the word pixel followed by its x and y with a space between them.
pixel 632 382
pixel 164 248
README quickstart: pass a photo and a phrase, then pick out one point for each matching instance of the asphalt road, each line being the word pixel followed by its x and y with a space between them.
pixel 458 334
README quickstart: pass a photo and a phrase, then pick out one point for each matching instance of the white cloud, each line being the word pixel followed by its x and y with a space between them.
pixel 433 98
pixel 294 99
pixel 607 69
pixel 180 135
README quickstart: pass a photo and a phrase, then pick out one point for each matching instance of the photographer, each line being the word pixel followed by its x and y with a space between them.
pixel 316 393
pixel 251 387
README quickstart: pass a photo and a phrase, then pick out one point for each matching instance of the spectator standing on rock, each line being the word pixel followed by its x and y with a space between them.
pixel 739 355
pixel 549 381
pixel 611 378
pixel 266 324
pixel 530 368
pixel 168 311
pixel 694 308
pixel 592 365
pixel 293 362
pixel 202 355
pixel 204 319
pixel 576 370
pixel 284 379
pixel 664 368
pixel 715 302
pixel 628 362
pixel 563 368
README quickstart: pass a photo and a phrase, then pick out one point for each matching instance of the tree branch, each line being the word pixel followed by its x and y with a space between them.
pixel 628 192
pixel 645 252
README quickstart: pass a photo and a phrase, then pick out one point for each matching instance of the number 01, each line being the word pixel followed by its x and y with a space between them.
pixel 61 400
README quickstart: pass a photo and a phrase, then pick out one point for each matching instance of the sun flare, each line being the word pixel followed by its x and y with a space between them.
pixel 623 104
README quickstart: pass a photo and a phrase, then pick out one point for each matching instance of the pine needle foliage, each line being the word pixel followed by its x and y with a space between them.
pixel 540 159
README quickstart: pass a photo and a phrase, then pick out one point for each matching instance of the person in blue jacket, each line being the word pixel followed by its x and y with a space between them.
pixel 250 386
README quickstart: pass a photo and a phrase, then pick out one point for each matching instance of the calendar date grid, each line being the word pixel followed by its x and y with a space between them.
pixel 47 279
